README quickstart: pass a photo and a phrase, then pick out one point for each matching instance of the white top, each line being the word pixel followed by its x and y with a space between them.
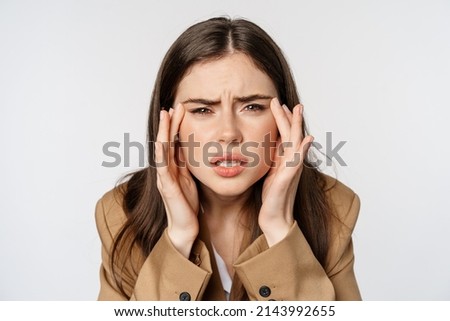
pixel 223 272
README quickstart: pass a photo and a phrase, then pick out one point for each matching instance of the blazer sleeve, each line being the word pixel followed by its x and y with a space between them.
pixel 164 275
pixel 289 270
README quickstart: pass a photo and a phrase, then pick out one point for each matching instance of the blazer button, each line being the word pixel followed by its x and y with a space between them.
pixel 264 291
pixel 184 296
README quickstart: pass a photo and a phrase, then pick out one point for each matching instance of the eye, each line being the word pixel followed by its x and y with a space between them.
pixel 201 111
pixel 254 107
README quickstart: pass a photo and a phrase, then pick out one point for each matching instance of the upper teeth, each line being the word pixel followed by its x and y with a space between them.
pixel 228 163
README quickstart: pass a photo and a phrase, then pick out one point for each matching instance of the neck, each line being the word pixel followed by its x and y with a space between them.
pixel 223 208
pixel 223 217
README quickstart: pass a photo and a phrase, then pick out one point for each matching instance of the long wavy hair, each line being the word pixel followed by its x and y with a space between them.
pixel 143 205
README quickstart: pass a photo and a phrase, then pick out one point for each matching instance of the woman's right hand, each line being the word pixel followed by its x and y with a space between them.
pixel 175 183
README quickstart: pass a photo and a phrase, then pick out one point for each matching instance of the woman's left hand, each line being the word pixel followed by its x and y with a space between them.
pixel 280 185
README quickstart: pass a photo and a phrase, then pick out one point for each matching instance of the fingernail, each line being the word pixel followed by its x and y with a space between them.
pixel 301 109
pixel 161 114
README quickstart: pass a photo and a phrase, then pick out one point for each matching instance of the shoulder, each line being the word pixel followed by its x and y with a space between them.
pixel 109 212
pixel 344 202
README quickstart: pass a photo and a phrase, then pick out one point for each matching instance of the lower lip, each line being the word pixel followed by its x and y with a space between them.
pixel 228 171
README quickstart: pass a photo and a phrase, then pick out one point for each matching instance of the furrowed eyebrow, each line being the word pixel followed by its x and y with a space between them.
pixel 201 101
pixel 247 99
pixel 243 99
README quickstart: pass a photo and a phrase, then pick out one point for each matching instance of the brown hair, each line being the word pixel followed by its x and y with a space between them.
pixel 213 39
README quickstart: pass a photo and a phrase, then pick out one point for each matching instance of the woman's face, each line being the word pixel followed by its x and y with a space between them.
pixel 228 127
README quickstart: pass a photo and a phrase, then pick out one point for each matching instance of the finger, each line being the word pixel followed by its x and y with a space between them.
pixel 276 161
pixel 163 127
pixel 296 135
pixel 182 162
pixel 288 113
pixel 175 122
pixel 294 160
pixel 161 140
pixel 161 165
pixel 305 145
pixel 279 152
pixel 158 153
pixel 281 119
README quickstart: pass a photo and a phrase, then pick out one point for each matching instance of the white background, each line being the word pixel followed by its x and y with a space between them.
pixel 77 74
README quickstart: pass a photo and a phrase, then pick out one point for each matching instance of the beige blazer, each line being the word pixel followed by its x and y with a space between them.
pixel 286 271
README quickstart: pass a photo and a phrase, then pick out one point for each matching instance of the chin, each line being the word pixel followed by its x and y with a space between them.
pixel 227 187
pixel 229 191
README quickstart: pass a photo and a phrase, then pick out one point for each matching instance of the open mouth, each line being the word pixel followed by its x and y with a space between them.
pixel 229 160
pixel 228 165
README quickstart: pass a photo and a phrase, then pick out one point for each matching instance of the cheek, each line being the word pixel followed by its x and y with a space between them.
pixel 273 128
pixel 262 138
pixel 188 134
pixel 266 129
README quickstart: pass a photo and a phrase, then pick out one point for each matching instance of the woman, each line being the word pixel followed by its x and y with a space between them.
pixel 230 207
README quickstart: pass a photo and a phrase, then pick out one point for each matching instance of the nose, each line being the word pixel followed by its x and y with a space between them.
pixel 228 129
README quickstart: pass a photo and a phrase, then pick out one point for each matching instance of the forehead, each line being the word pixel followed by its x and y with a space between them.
pixel 235 74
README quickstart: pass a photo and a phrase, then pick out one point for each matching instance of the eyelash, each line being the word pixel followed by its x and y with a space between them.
pixel 201 111
pixel 258 106
pixel 204 110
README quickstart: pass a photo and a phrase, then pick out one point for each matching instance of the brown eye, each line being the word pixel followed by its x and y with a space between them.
pixel 201 111
pixel 254 107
